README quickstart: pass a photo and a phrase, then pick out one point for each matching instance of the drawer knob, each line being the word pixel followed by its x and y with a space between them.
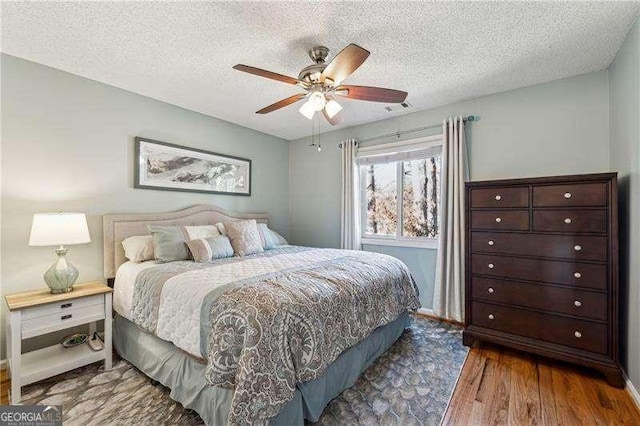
pixel 567 220
pixel 577 303
pixel 498 219
pixel 577 247
pixel 577 274
pixel 490 242
pixel 491 266
pixel 491 316
pixel 66 305
pixel 498 197
pixel 490 290
pixel 66 317
pixel 577 334
pixel 567 195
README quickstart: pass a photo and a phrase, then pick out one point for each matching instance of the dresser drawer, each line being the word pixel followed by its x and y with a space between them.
pixel 570 220
pixel 560 246
pixel 500 197
pixel 551 271
pixel 572 195
pixel 49 323
pixel 511 220
pixel 568 301
pixel 576 333
pixel 63 306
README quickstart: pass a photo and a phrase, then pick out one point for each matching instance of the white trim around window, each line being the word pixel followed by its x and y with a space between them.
pixel 415 242
pixel 389 149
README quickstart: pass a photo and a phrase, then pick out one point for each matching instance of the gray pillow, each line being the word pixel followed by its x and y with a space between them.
pixel 205 249
pixel 169 243
pixel 267 236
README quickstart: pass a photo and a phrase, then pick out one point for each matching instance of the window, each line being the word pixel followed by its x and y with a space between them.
pixel 400 192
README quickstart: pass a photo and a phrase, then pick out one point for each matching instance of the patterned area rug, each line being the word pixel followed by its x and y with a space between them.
pixel 410 384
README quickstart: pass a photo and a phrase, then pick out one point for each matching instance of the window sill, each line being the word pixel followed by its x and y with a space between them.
pixel 432 245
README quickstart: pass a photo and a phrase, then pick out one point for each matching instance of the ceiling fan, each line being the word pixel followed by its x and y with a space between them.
pixel 322 83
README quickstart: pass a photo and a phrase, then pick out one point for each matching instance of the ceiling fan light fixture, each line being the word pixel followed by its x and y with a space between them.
pixel 317 100
pixel 332 108
pixel 307 110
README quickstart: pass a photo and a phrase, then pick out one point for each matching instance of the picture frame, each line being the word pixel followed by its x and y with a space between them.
pixel 170 167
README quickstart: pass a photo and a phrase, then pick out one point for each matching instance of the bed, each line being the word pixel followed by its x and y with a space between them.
pixel 269 338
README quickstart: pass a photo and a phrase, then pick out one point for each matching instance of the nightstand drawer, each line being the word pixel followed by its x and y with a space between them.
pixel 61 320
pixel 62 306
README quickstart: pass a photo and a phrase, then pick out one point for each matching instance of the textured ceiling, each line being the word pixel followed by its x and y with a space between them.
pixel 182 53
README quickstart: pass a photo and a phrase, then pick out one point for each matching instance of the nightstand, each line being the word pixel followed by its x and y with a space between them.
pixel 34 313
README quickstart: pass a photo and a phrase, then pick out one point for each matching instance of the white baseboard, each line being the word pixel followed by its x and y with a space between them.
pixel 635 395
pixel 3 364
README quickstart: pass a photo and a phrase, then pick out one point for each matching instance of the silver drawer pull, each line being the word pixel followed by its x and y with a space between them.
pixel 490 242
pixel 490 290
pixel 577 334
pixel 567 220
pixel 577 274
pixel 66 317
pixel 498 219
pixel 491 266
pixel 577 303
pixel 491 316
pixel 577 248
pixel 66 305
pixel 498 197
pixel 567 195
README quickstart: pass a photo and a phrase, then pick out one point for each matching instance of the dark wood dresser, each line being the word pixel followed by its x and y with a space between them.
pixel 542 268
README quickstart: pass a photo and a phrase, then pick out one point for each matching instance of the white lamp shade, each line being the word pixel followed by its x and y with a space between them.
pixel 307 110
pixel 52 229
pixel 332 108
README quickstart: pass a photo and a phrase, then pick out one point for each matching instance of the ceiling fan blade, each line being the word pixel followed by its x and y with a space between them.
pixel 281 104
pixel 345 63
pixel 337 119
pixel 266 74
pixel 373 94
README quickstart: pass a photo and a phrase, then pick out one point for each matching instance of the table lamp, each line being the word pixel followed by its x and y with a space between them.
pixel 60 229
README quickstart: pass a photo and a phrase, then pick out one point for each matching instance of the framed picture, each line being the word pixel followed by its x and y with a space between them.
pixel 165 166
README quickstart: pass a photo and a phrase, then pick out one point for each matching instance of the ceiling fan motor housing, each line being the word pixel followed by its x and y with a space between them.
pixel 312 73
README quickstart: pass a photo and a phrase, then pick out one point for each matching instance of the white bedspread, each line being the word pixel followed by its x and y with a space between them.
pixel 124 284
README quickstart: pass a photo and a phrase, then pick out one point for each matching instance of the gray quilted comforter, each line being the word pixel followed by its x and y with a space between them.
pixel 289 315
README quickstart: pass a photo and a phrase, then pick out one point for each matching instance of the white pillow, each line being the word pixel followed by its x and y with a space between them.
pixel 138 248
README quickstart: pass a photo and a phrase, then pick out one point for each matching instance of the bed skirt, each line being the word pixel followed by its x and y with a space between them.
pixel 161 361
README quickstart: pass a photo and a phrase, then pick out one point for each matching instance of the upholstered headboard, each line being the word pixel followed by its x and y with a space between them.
pixel 117 227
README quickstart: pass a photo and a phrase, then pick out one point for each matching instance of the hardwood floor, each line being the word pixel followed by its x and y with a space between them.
pixel 5 384
pixel 503 386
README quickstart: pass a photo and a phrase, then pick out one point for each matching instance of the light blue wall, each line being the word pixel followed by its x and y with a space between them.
pixel 556 128
pixel 624 77
pixel 67 145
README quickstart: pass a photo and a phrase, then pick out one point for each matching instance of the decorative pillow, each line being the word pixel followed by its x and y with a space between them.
pixel 138 248
pixel 200 232
pixel 220 228
pixel 205 249
pixel 269 240
pixel 169 243
pixel 244 236
pixel 280 241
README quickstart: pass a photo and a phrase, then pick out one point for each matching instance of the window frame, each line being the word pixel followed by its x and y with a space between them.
pixel 397 240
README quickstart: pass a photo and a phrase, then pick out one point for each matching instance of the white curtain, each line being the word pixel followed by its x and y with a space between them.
pixel 350 211
pixel 448 295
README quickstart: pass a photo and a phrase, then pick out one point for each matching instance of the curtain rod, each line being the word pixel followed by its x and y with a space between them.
pixel 415 130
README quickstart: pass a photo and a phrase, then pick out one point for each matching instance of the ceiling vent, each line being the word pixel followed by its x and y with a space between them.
pixel 398 107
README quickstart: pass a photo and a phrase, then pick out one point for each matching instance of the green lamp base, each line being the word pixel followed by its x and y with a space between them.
pixel 61 276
